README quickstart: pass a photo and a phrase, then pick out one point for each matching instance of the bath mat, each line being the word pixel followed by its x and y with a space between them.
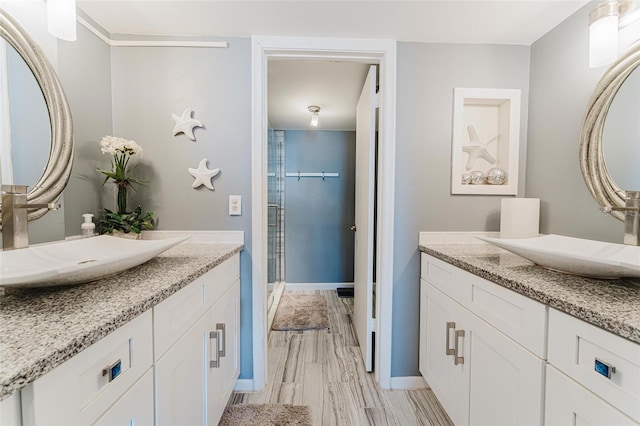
pixel 345 291
pixel 266 415
pixel 301 312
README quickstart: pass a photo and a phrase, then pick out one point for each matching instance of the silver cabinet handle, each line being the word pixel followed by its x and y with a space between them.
pixel 223 328
pixel 112 371
pixel 457 359
pixel 450 326
pixel 353 228
pixel 215 363
pixel 604 368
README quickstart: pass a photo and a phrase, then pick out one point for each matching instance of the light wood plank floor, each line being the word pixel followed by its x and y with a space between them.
pixel 324 369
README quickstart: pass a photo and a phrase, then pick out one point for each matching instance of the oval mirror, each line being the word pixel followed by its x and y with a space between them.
pixel 609 120
pixel 621 135
pixel 58 148
pixel 25 145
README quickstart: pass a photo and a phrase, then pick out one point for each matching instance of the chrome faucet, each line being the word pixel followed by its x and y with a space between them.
pixel 15 233
pixel 631 217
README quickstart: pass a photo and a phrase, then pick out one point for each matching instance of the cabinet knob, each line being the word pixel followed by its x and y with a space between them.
pixel 604 368
pixel 112 371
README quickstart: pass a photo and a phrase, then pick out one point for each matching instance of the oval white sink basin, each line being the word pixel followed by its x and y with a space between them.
pixel 76 261
pixel 586 258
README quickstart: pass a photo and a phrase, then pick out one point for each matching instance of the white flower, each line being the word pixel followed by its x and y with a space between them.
pixel 114 145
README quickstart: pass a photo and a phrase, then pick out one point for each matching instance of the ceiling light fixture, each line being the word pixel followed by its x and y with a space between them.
pixel 613 26
pixel 61 19
pixel 314 110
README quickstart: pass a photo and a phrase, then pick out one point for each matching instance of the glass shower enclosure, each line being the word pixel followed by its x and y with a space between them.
pixel 275 208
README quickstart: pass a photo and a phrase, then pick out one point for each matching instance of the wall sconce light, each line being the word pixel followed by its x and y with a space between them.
pixel 61 19
pixel 613 26
pixel 314 110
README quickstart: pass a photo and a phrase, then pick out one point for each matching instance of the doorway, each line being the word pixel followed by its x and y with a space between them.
pixel 379 52
pixel 311 174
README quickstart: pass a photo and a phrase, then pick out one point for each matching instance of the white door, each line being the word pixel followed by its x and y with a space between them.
pixel 363 261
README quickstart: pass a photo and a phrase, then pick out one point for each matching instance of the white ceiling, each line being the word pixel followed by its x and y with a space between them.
pixel 333 86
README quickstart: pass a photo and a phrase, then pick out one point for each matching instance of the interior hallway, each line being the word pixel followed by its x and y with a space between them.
pixel 324 369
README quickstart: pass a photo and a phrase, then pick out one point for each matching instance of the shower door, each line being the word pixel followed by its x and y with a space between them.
pixel 275 208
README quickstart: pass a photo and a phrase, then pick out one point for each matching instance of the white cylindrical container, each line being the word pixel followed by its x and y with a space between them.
pixel 520 217
pixel 88 228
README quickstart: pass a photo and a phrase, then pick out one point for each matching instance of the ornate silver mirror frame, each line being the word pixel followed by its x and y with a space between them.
pixel 592 163
pixel 56 174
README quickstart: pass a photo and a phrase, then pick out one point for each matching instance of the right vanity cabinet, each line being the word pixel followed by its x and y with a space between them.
pixel 481 347
pixel 486 354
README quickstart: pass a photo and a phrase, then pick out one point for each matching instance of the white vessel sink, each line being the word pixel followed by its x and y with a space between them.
pixel 76 261
pixel 586 258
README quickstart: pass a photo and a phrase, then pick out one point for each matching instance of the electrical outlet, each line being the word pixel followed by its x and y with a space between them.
pixel 235 205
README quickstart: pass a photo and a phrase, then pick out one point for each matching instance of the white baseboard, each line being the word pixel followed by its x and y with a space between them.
pixel 409 382
pixel 315 286
pixel 244 385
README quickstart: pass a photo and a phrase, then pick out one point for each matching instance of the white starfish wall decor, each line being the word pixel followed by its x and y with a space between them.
pixel 477 151
pixel 185 124
pixel 202 175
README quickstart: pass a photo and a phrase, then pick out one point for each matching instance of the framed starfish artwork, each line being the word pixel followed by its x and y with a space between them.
pixel 485 141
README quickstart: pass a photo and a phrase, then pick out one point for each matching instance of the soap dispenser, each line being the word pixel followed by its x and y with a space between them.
pixel 88 228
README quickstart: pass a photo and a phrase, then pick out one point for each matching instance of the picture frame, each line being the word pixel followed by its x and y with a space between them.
pixel 485 141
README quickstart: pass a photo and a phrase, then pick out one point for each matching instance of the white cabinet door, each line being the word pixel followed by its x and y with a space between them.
pixel 135 407
pixel 180 386
pixel 503 379
pixel 224 351
pixel 437 357
pixel 568 403
pixel 479 375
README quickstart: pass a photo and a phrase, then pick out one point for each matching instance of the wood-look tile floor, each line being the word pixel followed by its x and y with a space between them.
pixel 324 369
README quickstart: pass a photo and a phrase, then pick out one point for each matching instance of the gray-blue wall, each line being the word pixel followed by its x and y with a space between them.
pixel 426 77
pixel 561 85
pixel 85 72
pixel 148 85
pixel 318 242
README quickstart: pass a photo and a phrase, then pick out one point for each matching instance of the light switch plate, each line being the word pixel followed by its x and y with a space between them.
pixel 235 205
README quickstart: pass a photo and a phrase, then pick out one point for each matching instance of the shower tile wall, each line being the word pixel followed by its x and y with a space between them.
pixel 276 209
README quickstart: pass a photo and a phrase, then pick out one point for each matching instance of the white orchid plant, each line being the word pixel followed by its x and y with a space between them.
pixel 122 150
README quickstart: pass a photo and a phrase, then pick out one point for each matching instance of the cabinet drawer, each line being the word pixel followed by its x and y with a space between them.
pixel 445 277
pixel 517 316
pixel 568 403
pixel 575 347
pixel 78 391
pixel 223 277
pixel 135 407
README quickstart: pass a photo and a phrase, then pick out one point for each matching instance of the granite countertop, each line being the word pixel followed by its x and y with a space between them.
pixel 613 305
pixel 42 328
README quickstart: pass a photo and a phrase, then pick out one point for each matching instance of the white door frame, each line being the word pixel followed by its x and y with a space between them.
pixel 382 52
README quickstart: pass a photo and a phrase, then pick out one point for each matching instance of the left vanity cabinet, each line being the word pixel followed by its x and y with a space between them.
pixel 112 377
pixel 176 363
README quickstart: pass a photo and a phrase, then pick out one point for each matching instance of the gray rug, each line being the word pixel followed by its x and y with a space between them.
pixel 266 415
pixel 301 312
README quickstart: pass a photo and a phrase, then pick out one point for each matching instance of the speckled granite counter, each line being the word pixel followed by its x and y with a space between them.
pixel 41 328
pixel 613 305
